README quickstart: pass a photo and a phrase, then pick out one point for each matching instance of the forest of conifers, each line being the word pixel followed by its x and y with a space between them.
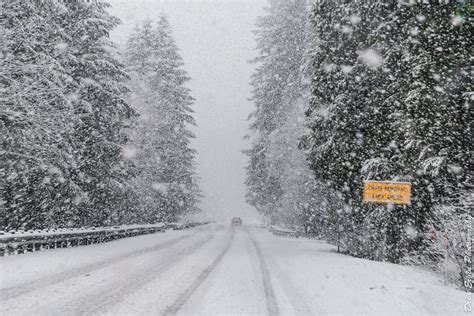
pixel 91 137
pixel 366 90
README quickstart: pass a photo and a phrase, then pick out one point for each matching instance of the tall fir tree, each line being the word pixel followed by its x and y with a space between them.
pixel 63 116
pixel 96 90
pixel 167 180
pixel 280 38
pixel 35 116
pixel 437 129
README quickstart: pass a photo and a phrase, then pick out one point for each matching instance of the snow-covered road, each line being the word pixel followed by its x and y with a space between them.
pixel 217 270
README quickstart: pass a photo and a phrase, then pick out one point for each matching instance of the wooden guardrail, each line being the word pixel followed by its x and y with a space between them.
pixel 20 242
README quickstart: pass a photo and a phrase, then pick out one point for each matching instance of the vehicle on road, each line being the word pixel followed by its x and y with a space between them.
pixel 236 221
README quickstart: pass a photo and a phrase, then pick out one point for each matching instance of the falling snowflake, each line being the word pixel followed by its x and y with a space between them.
pixel 371 58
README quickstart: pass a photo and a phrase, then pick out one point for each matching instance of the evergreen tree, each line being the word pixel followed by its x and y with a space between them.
pixel 386 105
pixel 63 116
pixel 166 181
pixel 337 116
pixel 301 198
pixel 96 88
pixel 437 130
pixel 280 42
pixel 35 117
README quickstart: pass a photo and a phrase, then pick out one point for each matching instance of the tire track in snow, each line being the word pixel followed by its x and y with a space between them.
pixel 17 290
pixel 272 305
pixel 292 293
pixel 184 296
pixel 97 302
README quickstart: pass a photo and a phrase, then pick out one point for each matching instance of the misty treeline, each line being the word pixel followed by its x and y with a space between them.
pixel 347 91
pixel 90 137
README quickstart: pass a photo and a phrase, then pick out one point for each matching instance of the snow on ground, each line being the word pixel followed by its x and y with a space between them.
pixel 164 289
pixel 234 286
pixel 319 281
pixel 29 267
pixel 215 270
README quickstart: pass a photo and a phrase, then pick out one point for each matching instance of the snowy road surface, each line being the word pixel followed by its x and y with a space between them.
pixel 217 270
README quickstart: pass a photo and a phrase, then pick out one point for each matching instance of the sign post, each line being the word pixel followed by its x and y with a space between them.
pixel 384 192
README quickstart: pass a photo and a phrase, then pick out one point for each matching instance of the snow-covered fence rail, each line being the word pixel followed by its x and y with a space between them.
pixel 20 242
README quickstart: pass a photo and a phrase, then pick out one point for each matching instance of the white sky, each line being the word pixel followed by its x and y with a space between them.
pixel 216 42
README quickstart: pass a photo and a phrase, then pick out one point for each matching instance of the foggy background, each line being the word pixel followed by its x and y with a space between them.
pixel 216 42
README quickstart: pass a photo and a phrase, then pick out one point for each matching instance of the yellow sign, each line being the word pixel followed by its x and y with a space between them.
pixel 387 192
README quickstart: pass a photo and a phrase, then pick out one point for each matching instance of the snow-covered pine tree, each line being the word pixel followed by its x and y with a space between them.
pixel 437 130
pixel 145 141
pixel 424 49
pixel 35 117
pixel 385 226
pixel 280 38
pixel 336 114
pixel 166 180
pixel 378 232
pixel 400 119
pixel 302 198
pixel 96 89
